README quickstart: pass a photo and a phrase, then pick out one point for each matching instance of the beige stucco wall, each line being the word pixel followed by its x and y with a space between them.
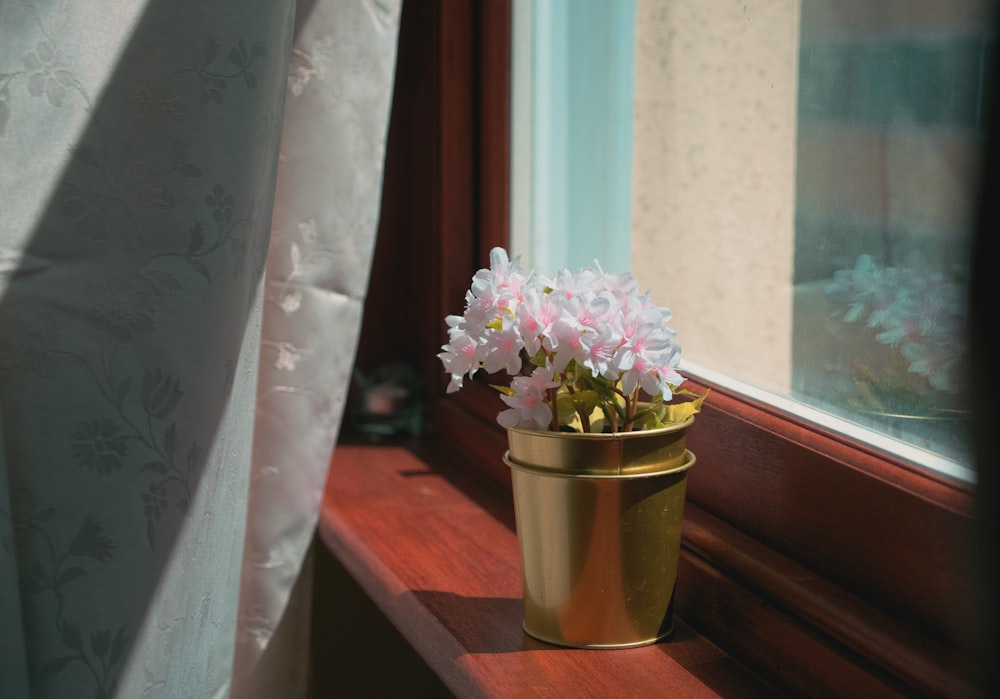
pixel 713 178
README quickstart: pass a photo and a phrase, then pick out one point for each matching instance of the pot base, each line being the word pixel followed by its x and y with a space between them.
pixel 599 554
pixel 597 646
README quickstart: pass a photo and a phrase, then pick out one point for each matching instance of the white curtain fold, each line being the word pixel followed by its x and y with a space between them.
pixel 322 242
pixel 167 409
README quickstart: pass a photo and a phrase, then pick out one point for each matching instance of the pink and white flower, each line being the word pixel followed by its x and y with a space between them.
pixel 528 406
pixel 552 333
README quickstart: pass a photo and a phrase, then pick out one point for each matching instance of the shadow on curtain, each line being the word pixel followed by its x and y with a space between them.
pixel 152 390
pixel 138 154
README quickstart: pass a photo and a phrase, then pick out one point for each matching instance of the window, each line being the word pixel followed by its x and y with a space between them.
pixel 808 555
pixel 803 184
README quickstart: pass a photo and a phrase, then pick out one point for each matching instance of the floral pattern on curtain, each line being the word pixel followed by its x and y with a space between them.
pixel 138 158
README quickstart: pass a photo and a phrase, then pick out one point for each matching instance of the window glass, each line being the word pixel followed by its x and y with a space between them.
pixel 889 132
pixel 572 131
pixel 802 190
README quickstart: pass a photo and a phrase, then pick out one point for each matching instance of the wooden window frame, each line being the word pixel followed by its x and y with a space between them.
pixel 819 562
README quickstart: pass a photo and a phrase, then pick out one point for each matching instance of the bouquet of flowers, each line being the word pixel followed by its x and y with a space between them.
pixel 586 352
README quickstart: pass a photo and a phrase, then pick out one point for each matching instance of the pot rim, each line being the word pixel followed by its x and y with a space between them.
pixel 605 436
pixel 688 462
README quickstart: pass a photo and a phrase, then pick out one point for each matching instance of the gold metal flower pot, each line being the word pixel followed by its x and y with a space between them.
pixel 599 528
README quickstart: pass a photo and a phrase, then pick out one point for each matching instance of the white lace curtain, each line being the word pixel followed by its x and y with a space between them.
pixel 167 407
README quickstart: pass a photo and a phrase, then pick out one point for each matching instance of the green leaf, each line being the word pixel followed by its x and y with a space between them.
pixel 584 402
pixel 687 392
pixel 566 408
pixel 506 390
pixel 679 412
pixel 539 359
pixel 607 409
pixel 602 388
pixel 648 418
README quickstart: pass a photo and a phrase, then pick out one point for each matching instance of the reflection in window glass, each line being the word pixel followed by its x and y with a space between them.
pixel 890 104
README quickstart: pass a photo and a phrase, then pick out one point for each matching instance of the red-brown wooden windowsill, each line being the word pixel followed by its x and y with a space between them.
pixel 437 553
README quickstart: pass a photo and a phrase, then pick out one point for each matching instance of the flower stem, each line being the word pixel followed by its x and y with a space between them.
pixel 584 417
pixel 631 405
pixel 554 425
